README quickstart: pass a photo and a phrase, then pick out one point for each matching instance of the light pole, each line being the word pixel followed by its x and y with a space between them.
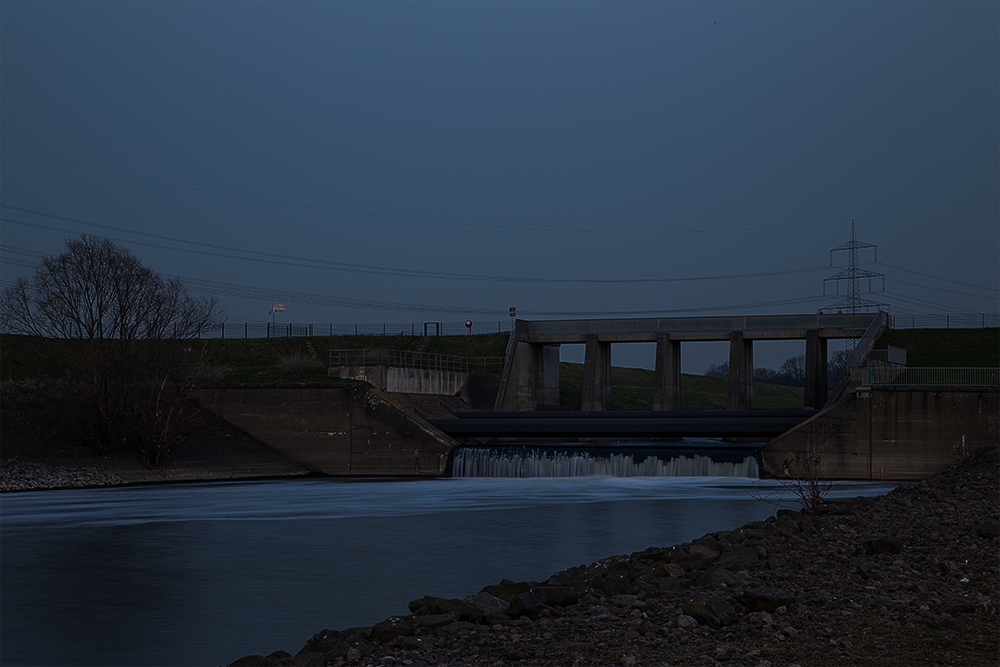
pixel 275 307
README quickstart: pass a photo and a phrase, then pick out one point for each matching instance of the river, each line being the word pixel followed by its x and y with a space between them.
pixel 201 574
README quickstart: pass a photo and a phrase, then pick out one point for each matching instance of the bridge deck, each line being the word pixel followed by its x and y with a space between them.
pixel 691 424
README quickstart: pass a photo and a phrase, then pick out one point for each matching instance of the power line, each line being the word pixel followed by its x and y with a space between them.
pixel 306 262
pixel 927 238
pixel 237 290
pixel 400 218
pixel 947 280
pixel 942 289
pixel 922 302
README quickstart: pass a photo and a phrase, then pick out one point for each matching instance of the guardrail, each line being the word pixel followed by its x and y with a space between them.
pixel 419 360
pixel 896 376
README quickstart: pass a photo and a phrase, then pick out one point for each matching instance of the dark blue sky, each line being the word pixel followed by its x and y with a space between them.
pixel 501 142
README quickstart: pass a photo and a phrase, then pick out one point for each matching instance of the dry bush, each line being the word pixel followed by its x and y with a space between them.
pixel 296 364
pixel 208 374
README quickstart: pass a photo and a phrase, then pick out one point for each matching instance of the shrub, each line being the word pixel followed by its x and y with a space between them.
pixel 296 364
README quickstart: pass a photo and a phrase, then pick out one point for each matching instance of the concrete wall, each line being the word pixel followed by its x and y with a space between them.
pixel 335 430
pixel 894 434
pixel 405 380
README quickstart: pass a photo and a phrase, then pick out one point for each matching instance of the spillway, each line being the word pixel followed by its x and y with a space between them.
pixel 602 460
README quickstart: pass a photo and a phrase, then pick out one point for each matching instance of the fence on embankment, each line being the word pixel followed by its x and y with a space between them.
pixel 290 329
pixel 901 376
pixel 417 360
pixel 248 329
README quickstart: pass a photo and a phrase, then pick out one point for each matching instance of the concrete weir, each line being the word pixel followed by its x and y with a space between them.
pixel 333 429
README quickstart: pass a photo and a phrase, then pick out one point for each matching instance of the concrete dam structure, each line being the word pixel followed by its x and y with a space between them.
pixel 864 433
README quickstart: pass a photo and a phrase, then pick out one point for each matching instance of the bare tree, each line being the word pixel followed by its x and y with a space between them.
pixel 718 370
pixel 125 323
pixel 794 370
pixel 837 368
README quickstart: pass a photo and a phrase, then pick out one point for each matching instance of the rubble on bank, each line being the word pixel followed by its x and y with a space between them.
pixel 908 578
pixel 18 475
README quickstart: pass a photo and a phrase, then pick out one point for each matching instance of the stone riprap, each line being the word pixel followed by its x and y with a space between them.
pixel 32 476
pixel 903 579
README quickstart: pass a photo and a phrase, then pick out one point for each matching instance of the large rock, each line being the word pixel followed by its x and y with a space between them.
pixel 507 590
pixel 435 605
pixel 765 599
pixel 526 604
pixel 327 641
pixel 612 583
pixel 557 596
pixel 717 577
pixel 490 605
pixel 883 545
pixel 738 557
pixel 710 610
pixel 392 627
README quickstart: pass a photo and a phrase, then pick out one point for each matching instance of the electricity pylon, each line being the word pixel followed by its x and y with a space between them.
pixel 853 302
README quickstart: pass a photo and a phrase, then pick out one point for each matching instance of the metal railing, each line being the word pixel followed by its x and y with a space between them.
pixel 505 373
pixel 966 321
pixel 896 376
pixel 419 360
pixel 874 330
pixel 891 355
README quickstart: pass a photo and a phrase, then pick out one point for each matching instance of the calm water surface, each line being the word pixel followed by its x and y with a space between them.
pixel 202 574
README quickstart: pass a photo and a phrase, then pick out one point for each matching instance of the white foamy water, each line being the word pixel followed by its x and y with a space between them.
pixel 472 462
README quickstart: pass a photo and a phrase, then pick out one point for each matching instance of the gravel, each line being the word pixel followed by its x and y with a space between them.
pixel 30 476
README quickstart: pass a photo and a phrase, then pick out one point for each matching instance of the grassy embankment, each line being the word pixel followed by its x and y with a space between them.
pixel 632 389
pixel 946 348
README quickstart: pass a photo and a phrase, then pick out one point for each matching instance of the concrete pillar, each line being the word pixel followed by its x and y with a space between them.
pixel 740 372
pixel 816 386
pixel 547 375
pixel 667 374
pixel 596 375
pixel 521 386
pixel 534 380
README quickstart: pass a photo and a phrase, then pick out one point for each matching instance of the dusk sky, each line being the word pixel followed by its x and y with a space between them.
pixel 368 162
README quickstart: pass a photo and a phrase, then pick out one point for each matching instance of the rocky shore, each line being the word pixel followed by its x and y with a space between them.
pixel 909 578
pixel 31 476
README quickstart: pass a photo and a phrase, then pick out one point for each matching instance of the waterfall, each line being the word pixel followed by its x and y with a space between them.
pixel 532 462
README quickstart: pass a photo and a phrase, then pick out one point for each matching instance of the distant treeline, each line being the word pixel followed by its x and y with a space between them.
pixel 792 372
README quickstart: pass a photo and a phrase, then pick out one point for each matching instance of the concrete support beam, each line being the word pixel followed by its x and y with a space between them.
pixel 740 372
pixel 521 386
pixel 534 380
pixel 816 377
pixel 596 375
pixel 667 374
pixel 547 386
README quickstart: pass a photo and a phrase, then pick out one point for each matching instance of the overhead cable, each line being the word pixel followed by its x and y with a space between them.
pixel 331 265
pixel 432 221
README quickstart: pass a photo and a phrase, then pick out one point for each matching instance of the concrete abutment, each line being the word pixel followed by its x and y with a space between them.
pixel 891 434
